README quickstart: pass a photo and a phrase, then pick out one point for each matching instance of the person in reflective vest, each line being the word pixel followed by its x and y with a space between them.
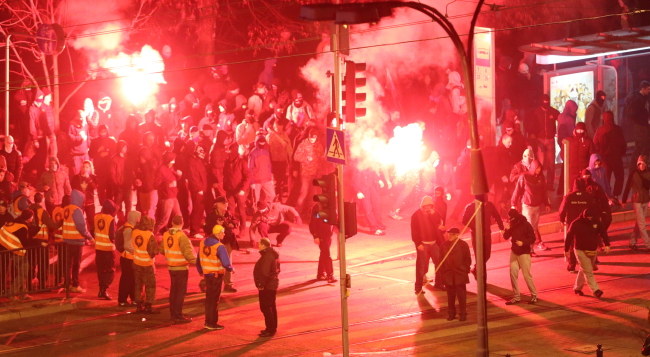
pixel 104 227
pixel 39 260
pixel 4 262
pixel 127 279
pixel 179 254
pixel 21 200
pixel 57 217
pixel 75 235
pixel 144 251
pixel 212 264
pixel 15 236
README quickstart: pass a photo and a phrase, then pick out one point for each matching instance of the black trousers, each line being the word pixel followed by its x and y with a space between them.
pixel 105 262
pixel 177 291
pixel 457 292
pixel 213 283
pixel 72 264
pixel 267 306
pixel 324 259
pixel 431 253
pixel 127 281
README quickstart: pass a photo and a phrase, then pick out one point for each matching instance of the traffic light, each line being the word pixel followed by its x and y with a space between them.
pixel 354 81
pixel 327 198
pixel 350 209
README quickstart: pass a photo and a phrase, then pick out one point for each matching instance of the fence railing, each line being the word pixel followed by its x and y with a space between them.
pixel 38 269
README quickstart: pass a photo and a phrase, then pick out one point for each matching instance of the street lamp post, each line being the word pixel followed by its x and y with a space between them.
pixel 372 12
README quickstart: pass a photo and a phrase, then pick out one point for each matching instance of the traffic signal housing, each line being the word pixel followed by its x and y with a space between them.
pixel 354 94
pixel 327 198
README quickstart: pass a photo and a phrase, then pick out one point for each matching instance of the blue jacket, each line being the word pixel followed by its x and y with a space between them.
pixel 77 198
pixel 222 253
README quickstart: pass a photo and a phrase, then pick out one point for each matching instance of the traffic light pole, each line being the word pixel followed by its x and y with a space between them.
pixel 343 279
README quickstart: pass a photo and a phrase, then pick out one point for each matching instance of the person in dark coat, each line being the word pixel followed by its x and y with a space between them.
pixel 235 181
pixel 610 144
pixel 265 275
pixel 580 149
pixel 638 184
pixel 499 161
pixel 322 233
pixel 455 273
pixel 522 236
pixel 491 214
pixel 545 118
pixel 573 204
pixel 197 181
pixel 584 237
pixel 426 234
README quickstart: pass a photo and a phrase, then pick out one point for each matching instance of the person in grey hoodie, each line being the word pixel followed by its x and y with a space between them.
pixel 75 235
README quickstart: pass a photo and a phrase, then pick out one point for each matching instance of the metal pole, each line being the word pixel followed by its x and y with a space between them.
pixel 343 280
pixel 7 46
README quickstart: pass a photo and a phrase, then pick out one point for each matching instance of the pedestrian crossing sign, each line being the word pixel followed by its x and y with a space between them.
pixel 335 146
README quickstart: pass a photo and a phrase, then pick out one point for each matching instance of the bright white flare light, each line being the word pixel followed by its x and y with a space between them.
pixel 141 73
pixel 405 150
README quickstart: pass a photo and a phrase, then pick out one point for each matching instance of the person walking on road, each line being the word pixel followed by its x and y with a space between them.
pixel 530 193
pixel 179 254
pixel 522 236
pixel 426 234
pixel 265 275
pixel 639 184
pixel 322 233
pixel 104 227
pixel 573 204
pixel 584 237
pixel 212 264
pixel 455 273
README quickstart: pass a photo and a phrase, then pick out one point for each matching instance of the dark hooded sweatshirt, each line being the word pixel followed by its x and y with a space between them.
pixel 584 234
pixel 520 230
pixel 531 188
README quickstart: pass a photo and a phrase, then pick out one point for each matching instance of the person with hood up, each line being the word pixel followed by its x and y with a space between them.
pixel 639 184
pixel 281 150
pixel 7 186
pixel 580 149
pixel 545 128
pixel 491 215
pixel 145 250
pixel 261 171
pixel 78 135
pixel 121 179
pixel 599 175
pixel 611 145
pixel 167 184
pixel 530 192
pixel 54 183
pixel 521 167
pixel 197 181
pixel 75 233
pixel 573 204
pixel 179 254
pixel 235 181
pixel 124 245
pixel 522 236
pixel 102 149
pixel 104 227
pixel 566 121
pixel 309 154
pixel 212 263
pixel 583 237
pixel 265 275
pixel 594 113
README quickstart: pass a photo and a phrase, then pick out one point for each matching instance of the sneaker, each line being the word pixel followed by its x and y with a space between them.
pixel 182 320
pixel 513 301
pixel 533 300
pixel 395 215
pixel 379 232
pixel 267 334
pixel 213 327
pixel 542 246
pixel 229 289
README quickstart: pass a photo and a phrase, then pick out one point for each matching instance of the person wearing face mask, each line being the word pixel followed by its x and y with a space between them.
pixel 522 167
pixel 245 132
pixel 545 127
pixel 261 172
pixel 530 193
pixel 236 180
pixel 639 185
pixel 580 149
pixel 611 146
pixel 594 113
pixel 636 115
pixel 197 181
pixel 299 111
pixel 310 155
pixel 426 234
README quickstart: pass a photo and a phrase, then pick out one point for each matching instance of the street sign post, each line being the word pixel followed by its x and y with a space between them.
pixel 335 146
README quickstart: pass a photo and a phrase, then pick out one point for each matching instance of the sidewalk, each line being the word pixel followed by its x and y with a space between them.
pixel 299 257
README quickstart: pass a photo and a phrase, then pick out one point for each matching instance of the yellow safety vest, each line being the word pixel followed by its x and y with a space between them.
pixel 102 228
pixel 140 240
pixel 57 216
pixel 210 260
pixel 173 253
pixel 69 228
pixel 43 233
pixel 17 211
pixel 9 240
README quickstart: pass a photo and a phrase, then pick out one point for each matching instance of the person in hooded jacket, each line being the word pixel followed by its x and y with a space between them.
pixel 127 279
pixel 235 181
pixel 572 205
pixel 594 113
pixel 78 134
pixel 522 236
pixel 530 192
pixel 104 229
pixel 491 215
pixel 566 121
pixel 55 183
pixel 121 179
pixel 639 185
pixel 166 182
pixel 265 275
pixel 580 149
pixel 545 128
pixel 197 180
pixel 599 175
pixel 102 149
pixel 75 234
pixel 583 237
pixel 261 172
pixel 611 145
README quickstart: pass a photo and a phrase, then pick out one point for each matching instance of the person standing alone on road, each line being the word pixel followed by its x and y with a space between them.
pixel 265 275
pixel 522 236
pixel 212 264
pixel 426 235
pixel 455 273
pixel 179 254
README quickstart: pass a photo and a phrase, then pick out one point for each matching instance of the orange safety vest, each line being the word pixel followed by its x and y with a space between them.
pixel 43 233
pixel 57 216
pixel 173 253
pixel 210 260
pixel 9 240
pixel 102 228
pixel 17 211
pixel 140 240
pixel 69 228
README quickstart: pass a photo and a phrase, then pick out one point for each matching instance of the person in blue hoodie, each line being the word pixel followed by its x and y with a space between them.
pixel 75 235
pixel 212 263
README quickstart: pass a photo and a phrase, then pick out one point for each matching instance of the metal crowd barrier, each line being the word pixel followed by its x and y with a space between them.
pixel 39 269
